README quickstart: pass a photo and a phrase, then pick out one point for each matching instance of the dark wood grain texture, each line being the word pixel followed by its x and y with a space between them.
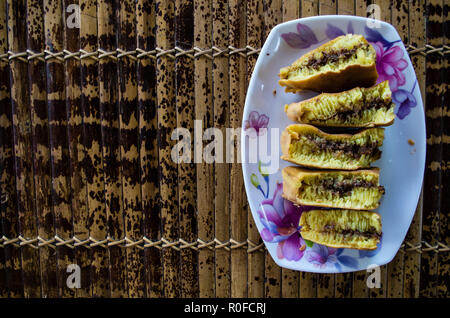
pixel 77 153
pixel 187 171
pixel 221 121
pixel 443 288
pixel 12 263
pixel 22 139
pixel 110 132
pixel 167 121
pixel 129 147
pixel 432 202
pixel 443 283
pixel 148 125
pixel 255 25
pixel 93 160
pixel 41 148
pixel 238 205
pixel 5 150
pixel 204 111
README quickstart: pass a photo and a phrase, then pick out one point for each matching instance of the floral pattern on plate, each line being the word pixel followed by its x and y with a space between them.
pixel 275 218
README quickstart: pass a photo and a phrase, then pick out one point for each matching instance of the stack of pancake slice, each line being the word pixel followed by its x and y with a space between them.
pixel 333 171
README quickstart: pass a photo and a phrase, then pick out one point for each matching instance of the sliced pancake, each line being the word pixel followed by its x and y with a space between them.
pixel 342 228
pixel 358 107
pixel 357 190
pixel 308 146
pixel 347 61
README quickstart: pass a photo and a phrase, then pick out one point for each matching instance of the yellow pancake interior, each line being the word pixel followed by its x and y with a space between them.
pixel 311 147
pixel 340 189
pixel 333 56
pixel 342 228
pixel 355 107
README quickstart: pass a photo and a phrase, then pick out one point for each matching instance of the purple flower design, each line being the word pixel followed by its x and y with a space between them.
pixel 302 39
pixel 390 64
pixel 280 219
pixel 333 31
pixel 405 101
pixel 257 122
pixel 372 35
pixel 321 256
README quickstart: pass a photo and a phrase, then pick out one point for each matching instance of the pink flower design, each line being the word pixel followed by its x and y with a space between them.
pixel 280 219
pixel 257 122
pixel 390 64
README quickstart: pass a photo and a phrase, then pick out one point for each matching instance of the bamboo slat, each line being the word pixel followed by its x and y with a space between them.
pixel 291 10
pixel 12 267
pixel 221 121
pixel 433 172
pixel 238 215
pixel 205 171
pixel 77 153
pixel 93 160
pixel 41 148
pixel 166 124
pixel 129 136
pixel 110 132
pixel 5 153
pixel 148 125
pixel 255 24
pixel 59 146
pixel 443 280
pixel 186 114
pixel 273 281
pixel 23 162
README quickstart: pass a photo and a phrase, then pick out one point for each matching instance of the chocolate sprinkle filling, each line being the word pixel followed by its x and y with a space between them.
pixel 369 234
pixel 346 186
pixel 376 104
pixel 331 57
pixel 353 150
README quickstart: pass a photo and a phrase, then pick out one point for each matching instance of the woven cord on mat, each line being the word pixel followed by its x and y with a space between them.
pixel 177 245
pixel 174 53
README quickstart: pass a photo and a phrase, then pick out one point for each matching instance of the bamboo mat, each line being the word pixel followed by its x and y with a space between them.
pixel 86 176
